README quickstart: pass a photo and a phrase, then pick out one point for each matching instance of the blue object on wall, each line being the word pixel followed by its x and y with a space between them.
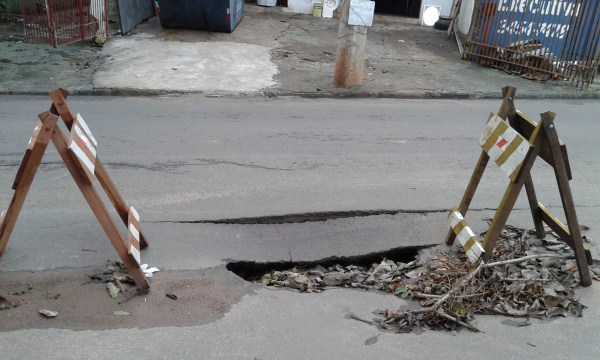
pixel 212 15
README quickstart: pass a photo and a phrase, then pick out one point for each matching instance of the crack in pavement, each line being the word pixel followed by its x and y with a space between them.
pixel 311 217
pixel 171 166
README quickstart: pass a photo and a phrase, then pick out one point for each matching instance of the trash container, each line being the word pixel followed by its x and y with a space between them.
pixel 212 15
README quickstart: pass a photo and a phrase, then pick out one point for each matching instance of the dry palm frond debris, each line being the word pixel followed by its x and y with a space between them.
pixel 526 277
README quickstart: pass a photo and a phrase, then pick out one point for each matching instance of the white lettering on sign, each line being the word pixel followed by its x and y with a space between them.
pixel 547 30
pixel 532 18
pixel 361 13
pixel 560 8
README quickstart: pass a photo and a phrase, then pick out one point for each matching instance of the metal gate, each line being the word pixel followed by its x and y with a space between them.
pixel 134 12
pixel 61 22
pixel 537 39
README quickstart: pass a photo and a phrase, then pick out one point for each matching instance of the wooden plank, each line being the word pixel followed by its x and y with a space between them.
pixel 525 126
pixel 529 188
pixel 469 192
pixel 133 234
pixel 556 225
pixel 510 197
pixel 534 207
pixel 60 106
pixel 504 145
pixel 99 209
pixel 26 155
pixel 508 92
pixel 566 197
pixel 83 145
pixel 33 160
pixel 465 235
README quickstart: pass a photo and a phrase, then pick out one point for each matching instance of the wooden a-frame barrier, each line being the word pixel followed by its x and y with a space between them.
pixel 514 146
pixel 78 152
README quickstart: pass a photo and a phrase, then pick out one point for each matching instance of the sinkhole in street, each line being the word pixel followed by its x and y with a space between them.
pixel 253 270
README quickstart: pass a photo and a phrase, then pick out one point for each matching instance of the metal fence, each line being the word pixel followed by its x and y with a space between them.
pixel 537 39
pixel 61 22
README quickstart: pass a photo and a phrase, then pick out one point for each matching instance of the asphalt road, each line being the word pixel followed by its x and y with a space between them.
pixel 201 160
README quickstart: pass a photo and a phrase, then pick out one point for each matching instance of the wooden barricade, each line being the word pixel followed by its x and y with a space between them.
pixel 78 152
pixel 513 141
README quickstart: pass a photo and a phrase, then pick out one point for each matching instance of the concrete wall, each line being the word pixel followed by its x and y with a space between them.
pixel 464 18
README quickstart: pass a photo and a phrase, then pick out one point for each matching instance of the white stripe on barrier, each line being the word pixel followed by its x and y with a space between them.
pixel 136 254
pixel 91 147
pixel 134 232
pixel 465 235
pixel 82 156
pixel 134 213
pixel 501 143
pixel 87 130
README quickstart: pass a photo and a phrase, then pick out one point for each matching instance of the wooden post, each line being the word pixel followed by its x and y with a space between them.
pixel 31 161
pixel 566 198
pixel 350 58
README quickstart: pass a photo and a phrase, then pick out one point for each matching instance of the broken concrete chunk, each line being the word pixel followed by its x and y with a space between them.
pixel 298 281
pixel 49 313
pixel 336 278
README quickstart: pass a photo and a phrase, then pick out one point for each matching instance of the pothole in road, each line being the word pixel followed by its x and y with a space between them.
pixel 254 271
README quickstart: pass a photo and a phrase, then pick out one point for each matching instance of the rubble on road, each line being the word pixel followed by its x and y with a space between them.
pixel 115 276
pixel 526 277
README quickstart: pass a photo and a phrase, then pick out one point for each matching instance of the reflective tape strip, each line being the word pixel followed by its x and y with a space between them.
pixel 134 213
pixel 135 253
pixel 134 228
pixel 135 232
pixel 82 157
pixel 34 136
pixel 88 144
pixel 504 145
pixel 465 235
pixel 86 129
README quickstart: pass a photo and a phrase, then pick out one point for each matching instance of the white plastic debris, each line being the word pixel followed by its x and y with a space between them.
pixel 148 271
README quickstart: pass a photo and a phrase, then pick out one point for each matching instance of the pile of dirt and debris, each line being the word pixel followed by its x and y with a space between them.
pixel 526 277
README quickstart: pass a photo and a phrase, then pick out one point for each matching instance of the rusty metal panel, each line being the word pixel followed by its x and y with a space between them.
pixel 61 22
pixel 537 39
pixel 134 12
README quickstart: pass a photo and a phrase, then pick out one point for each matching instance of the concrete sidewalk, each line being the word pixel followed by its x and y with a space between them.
pixel 271 53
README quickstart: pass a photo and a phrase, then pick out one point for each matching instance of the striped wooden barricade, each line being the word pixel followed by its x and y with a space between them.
pixel 78 152
pixel 514 141
pixel 465 236
pixel 133 234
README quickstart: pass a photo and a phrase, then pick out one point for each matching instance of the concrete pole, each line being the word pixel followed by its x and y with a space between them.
pixel 350 57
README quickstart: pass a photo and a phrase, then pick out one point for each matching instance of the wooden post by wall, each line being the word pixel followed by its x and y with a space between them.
pixel 350 58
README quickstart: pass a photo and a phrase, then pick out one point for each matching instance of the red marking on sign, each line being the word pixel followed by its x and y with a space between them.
pixel 501 143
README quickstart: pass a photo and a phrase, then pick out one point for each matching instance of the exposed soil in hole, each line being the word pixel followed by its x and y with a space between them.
pixel 202 297
pixel 252 271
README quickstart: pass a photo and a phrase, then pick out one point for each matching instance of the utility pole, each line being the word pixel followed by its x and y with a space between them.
pixel 350 57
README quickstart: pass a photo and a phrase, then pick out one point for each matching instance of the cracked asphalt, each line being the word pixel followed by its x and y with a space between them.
pixel 222 180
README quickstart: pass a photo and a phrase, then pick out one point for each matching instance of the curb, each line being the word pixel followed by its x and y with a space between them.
pixel 348 94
